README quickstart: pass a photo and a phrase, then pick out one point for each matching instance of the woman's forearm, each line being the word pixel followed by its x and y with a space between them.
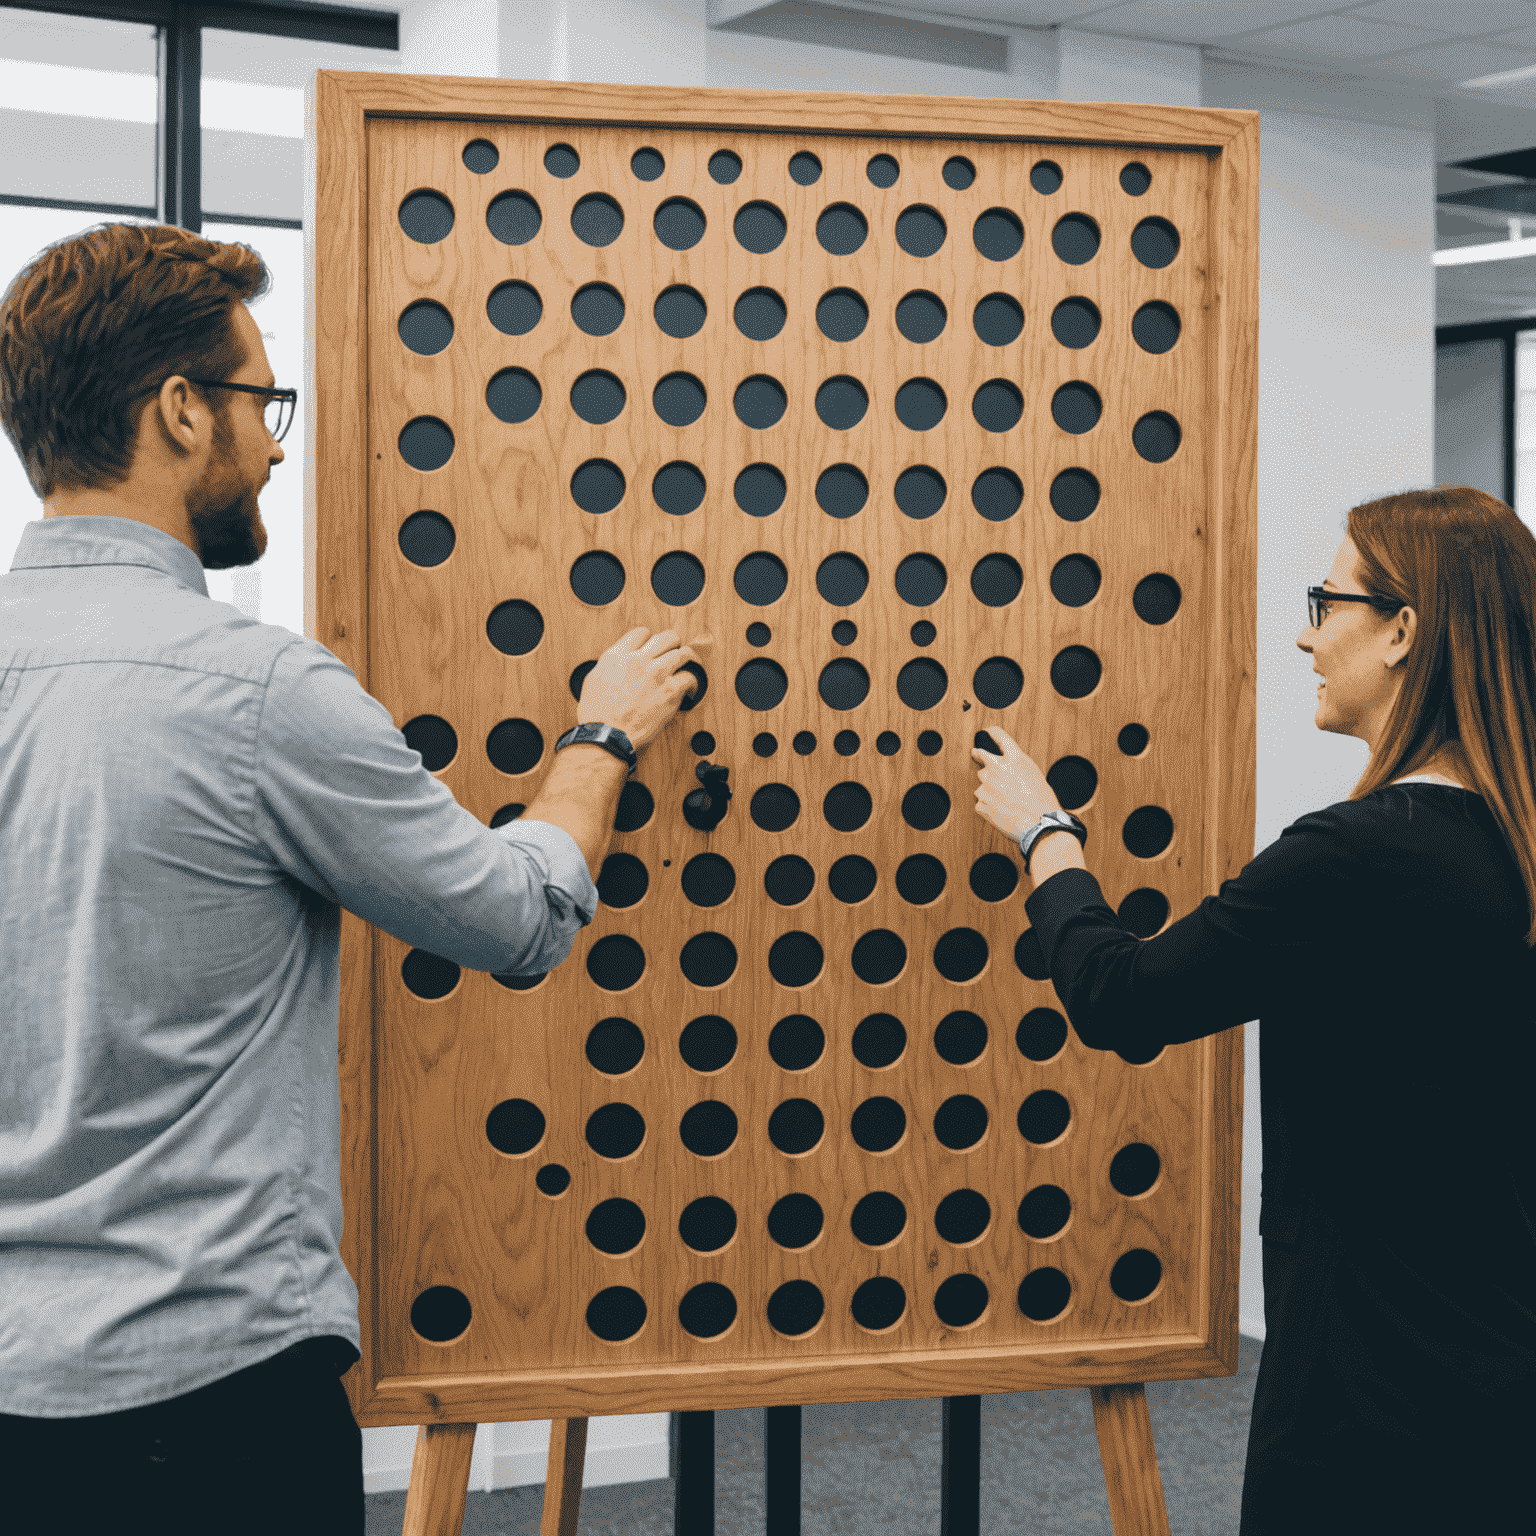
pixel 1052 853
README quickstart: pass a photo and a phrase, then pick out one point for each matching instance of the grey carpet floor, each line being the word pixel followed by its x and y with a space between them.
pixel 874 1467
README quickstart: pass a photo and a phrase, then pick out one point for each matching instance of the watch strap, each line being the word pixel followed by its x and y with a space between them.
pixel 1051 821
pixel 609 737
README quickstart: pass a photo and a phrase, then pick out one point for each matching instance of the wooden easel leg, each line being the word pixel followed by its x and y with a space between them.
pixel 562 1484
pixel 434 1502
pixel 1135 1485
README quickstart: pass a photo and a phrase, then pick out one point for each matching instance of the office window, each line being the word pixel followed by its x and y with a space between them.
pixel 1525 427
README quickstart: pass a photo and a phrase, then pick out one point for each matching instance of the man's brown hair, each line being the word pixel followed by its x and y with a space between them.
pixel 97 322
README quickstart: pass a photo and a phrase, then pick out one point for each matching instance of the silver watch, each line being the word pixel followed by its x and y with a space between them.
pixel 1052 821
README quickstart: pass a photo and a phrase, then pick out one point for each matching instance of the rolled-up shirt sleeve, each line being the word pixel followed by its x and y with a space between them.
pixel 344 805
pixel 1217 967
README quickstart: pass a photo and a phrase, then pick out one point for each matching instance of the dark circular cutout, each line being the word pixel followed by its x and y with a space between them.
pixel 434 738
pixel 561 160
pixel 760 227
pixel 615 1226
pixel 883 170
pixel 679 311
pixel 707 1310
pixel 795 1221
pixel 1156 437
pixel 795 959
pixel 920 405
pixel 962 1216
pixel 761 684
pixel 879 1218
pixel 513 218
pixel 879 1304
pixel 920 579
pixel 426 443
pixel 920 230
pixel 760 314
pixel 1075 239
pixel 426 217
pixel 615 1130
pixel 679 399
pixel 960 1037
pixel 647 164
pixel 597 397
pixel 513 395
pixel 925 806
pixel 707 879
pixel 959 173
pixel 425 327
pixel 707 1044
pixel 879 1041
pixel 841 403
pixel 841 491
pixel 1045 176
pixel 920 491
pixel 1155 327
pixel 597 486
pixel 921 316
pixel 616 962
pixel 797 1042
pixel 708 959
pixel 679 224
pixel 677 578
pixel 1074 495
pixel 760 402
pixel 481 156
pixel 1154 243
pixel 708 1129
pixel 795 1308
pixel 775 807
pixel 879 957
pixel 796 1126
pixel 1075 322
pixel 997 579
pixel 760 490
pixel 1075 580
pixel 427 538
pixel 997 494
pixel 761 578
pixel 841 229
pixel 515 746
pixel 724 166
pixel 848 806
pixel 597 309
pixel 852 879
pixel 920 879
pixel 804 168
pixel 615 1046
pixel 597 219
pixel 514 308
pixel 999 319
pixel 960 955
pixel 616 1313
pixel 878 1124
pixel 999 234
pixel 998 405
pixel 998 682
pixel 1156 598
pixel 843 684
pixel 1076 407
pixel 841 315
pixel 678 488
pixel 1135 178
pixel 429 976
pixel 922 683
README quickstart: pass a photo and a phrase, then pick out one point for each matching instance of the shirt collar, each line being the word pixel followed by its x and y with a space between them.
pixel 65 541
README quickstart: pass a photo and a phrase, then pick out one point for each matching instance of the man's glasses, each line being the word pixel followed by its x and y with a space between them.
pixel 1318 599
pixel 278 412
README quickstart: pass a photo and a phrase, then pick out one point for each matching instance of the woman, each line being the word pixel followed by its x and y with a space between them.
pixel 1386 945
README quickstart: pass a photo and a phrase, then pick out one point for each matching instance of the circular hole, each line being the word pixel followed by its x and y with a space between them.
pixel 678 488
pixel 997 494
pixel 923 633
pixel 427 217
pixel 1074 495
pixel 431 976
pixel 804 168
pixel 1156 437
pixel 961 1036
pixel 1045 176
pixel 1135 178
pixel 761 578
pixel 845 632
pixel 920 405
pixel 647 164
pixel 841 229
pixel 426 443
pixel 679 223
pixel 597 397
pixel 597 219
pixel 761 684
pixel 757 634
pixel 879 1304
pixel 515 746
pixel 883 170
pixel 760 314
pixel 997 579
pixel 775 807
pixel 920 230
pixel 707 1224
pixel 796 1126
pixel 921 683
pixel 708 960
pixel 481 156
pixel 616 1313
pixel 760 401
pixel 880 1122
pixel 679 399
pixel 1154 242
pixel 1075 322
pixel 879 1041
pixel 795 1308
pixel 921 878
pixel 513 395
pixel 514 308
pixel 513 218
pixel 706 1310
pixel 843 684
pixel 679 311
pixel 998 682
pixel 561 160
pixel 552 1179
pixel 427 538
pixel 677 578
pixel 597 486
pixel 999 319
pixel 998 405
pixel 1075 239
pixel 707 1044
pixel 760 227
pixel 1075 580
pixel 795 959
pixel 920 580
pixel 924 807
pixel 1155 327
pixel 851 879
pixel 962 1216
pixel 841 403
pixel 615 1130
pixel 707 879
pixel 920 491
pixel 708 1129
pixel 959 173
pixel 760 490
pixel 1076 407
pixel 998 234
pixel 795 1221
pixel 724 166
pixel 597 309
pixel 841 491
pixel 514 628
pixel 425 327
pixel 842 578
pixel 921 316
pixel 615 1226
pixel 615 1046
pixel 878 1218
pixel 841 315
pixel 788 881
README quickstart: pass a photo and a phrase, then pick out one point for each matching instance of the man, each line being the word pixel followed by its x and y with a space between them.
pixel 187 800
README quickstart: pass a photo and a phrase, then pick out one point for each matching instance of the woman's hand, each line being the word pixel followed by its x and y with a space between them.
pixel 1012 794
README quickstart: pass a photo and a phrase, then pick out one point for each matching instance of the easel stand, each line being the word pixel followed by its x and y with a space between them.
pixel 434 1504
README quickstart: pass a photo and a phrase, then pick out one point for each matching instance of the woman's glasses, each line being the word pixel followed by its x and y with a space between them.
pixel 1318 599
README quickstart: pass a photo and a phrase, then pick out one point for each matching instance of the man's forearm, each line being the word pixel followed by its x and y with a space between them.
pixel 580 794
pixel 1054 852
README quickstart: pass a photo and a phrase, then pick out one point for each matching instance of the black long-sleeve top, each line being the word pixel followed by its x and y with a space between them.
pixel 1380 944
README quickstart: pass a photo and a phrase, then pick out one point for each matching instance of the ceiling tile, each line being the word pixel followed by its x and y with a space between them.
pixel 1335 37
pixel 1196 21
pixel 1016 13
pixel 1470 20
pixel 1455 62
pixel 1524 37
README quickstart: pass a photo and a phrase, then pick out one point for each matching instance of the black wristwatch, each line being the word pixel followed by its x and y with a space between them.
pixel 607 736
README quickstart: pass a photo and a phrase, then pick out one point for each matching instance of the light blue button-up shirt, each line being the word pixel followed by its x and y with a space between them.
pixel 187 800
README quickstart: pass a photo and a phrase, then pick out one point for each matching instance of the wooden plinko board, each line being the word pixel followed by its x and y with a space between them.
pixel 938 415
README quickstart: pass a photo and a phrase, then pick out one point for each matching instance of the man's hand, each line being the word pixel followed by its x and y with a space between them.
pixel 636 685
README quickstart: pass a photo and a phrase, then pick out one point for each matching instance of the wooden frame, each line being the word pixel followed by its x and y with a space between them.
pixel 337 565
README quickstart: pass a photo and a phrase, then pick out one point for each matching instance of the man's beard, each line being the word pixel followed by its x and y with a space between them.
pixel 222 510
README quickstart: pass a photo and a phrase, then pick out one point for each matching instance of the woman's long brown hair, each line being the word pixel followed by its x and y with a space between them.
pixel 1466 565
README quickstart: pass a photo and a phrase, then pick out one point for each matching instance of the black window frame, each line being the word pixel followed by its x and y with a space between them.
pixel 178 130
pixel 1504 331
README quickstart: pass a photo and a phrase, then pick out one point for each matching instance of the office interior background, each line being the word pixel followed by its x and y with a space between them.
pixel 1397 336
